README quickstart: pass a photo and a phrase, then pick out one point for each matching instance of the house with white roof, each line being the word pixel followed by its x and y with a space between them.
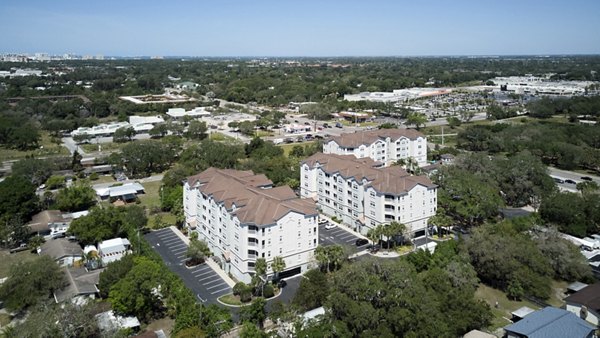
pixel 126 192
pixel 179 113
pixel 113 249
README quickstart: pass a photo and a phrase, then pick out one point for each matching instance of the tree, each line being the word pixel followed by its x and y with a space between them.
pixel 250 330
pixel 416 119
pixel 76 198
pixel 159 130
pixel 106 223
pixel 197 251
pixel 259 278
pixel 142 158
pixel 82 138
pixel 330 257
pixel 215 320
pixel 35 170
pixel 587 187
pixel 55 182
pixel 196 130
pixel 58 320
pixel 31 282
pixel 140 292
pixel 123 134
pixel 255 312
pixel 453 122
pixel 17 198
pixel 297 151
pixel 278 265
pixel 313 290
pixel 114 272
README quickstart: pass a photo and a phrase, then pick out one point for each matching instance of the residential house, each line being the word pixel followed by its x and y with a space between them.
pixel 83 285
pixel 62 250
pixel 550 322
pixel 242 217
pixel 113 249
pixel 127 192
pixel 49 223
pixel 363 194
pixel 585 303
pixel 382 145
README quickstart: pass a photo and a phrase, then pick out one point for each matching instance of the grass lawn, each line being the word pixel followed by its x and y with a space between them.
pixel 93 147
pixel 404 249
pixel 502 314
pixel 167 219
pixel 151 195
pixel 104 179
pixel 47 148
pixel 231 299
pixel 7 259
pixel 220 137
pixel 4 319
pixel 288 147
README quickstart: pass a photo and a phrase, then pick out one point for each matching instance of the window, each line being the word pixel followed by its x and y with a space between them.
pixel 280 251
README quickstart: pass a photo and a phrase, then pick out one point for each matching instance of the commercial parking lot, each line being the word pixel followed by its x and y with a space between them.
pixel 340 236
pixel 206 284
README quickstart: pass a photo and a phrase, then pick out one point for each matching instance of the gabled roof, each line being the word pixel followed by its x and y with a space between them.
pixel 551 322
pixel 390 180
pixel 354 140
pixel 588 296
pixel 61 247
pixel 81 283
pixel 255 201
pixel 41 220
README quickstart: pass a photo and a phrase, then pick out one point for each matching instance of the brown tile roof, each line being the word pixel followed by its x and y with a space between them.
pixel 389 180
pixel 588 296
pixel 354 140
pixel 61 247
pixel 245 189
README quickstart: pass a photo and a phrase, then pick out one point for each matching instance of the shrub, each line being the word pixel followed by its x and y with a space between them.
pixel 94 176
pixel 246 295
pixel 268 291
pixel 239 287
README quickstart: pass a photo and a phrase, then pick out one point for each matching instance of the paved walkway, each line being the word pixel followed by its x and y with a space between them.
pixel 210 262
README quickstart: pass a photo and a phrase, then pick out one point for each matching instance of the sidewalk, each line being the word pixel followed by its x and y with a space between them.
pixel 209 261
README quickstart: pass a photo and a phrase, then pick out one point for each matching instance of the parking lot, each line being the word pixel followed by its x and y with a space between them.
pixel 206 284
pixel 339 236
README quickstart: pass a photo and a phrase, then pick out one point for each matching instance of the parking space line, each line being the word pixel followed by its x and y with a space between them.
pixel 351 240
pixel 213 281
pixel 182 248
pixel 220 290
pixel 216 285
pixel 171 240
pixel 200 268
pixel 211 276
pixel 166 234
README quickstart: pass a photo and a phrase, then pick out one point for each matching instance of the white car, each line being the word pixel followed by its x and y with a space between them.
pixel 329 226
pixel 322 221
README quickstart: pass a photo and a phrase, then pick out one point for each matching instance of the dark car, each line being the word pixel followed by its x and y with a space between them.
pixel 373 248
pixel 281 283
pixel 361 242
pixel 339 125
pixel 586 178
pixel 307 123
pixel 570 182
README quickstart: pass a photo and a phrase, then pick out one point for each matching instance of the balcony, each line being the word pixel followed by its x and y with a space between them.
pixel 252 232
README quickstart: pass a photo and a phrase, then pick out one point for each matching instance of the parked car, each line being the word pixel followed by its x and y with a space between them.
pixel 338 125
pixel 307 123
pixel 330 226
pixel 373 248
pixel 361 242
pixel 322 221
pixel 586 178
pixel 281 283
pixel 21 247
pixel 570 182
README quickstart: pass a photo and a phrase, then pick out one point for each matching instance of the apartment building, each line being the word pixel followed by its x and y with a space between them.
pixel 363 193
pixel 243 217
pixel 382 145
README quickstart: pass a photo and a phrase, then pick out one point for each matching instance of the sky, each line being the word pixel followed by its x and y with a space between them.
pixel 300 28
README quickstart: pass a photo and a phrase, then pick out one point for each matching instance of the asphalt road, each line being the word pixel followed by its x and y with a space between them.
pixel 571 175
pixel 204 282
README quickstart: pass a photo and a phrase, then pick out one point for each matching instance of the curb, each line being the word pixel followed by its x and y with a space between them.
pixel 243 305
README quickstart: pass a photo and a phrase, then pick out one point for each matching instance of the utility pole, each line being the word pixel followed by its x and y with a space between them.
pixel 442 136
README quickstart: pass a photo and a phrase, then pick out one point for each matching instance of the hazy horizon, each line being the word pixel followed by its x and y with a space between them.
pixel 380 28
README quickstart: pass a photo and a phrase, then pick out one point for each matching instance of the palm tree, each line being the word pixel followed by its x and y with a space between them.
pixel 260 268
pixel 277 265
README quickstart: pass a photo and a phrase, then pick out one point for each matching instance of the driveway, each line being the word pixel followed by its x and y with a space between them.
pixel 204 282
